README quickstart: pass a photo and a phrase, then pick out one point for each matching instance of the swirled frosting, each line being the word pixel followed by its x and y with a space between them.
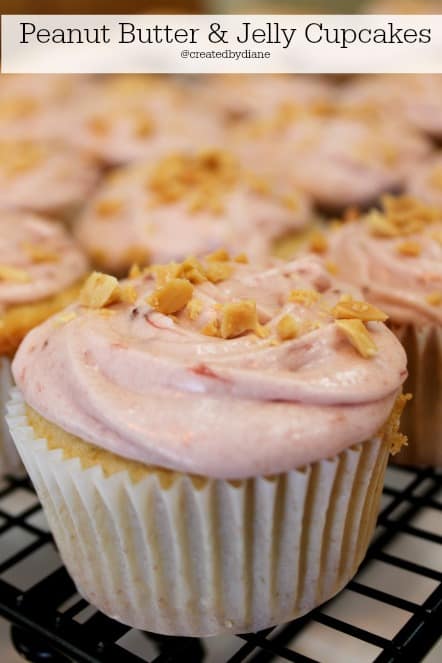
pixel 38 259
pixel 395 258
pixel 425 182
pixel 252 376
pixel 44 176
pixel 188 203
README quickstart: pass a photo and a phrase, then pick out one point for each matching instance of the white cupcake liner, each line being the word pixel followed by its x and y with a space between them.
pixel 422 418
pixel 10 462
pixel 204 556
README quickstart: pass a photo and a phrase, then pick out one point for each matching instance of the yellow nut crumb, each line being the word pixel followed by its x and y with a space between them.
pixel 318 242
pixel 64 318
pixel 348 308
pixel 99 290
pixel 127 294
pixel 359 336
pixel 108 207
pixel 38 253
pixel 194 308
pixel 409 248
pixel 287 328
pixel 192 270
pixel 164 273
pixel 304 297
pixel 172 297
pixel 434 299
pixel 332 267
pixel 220 255
pixel 238 317
pixel 291 201
pixel 218 271
pixel 14 274
pixel 380 226
pixel 211 329
pixel 134 272
pixel 241 258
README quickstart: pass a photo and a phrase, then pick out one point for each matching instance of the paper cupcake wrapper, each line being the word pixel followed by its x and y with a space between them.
pixel 203 556
pixel 422 418
pixel 10 462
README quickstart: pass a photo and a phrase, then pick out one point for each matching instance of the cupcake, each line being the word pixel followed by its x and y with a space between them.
pixel 403 7
pixel 235 98
pixel 131 118
pixel 425 183
pixel 34 107
pixel 41 270
pixel 187 203
pixel 209 439
pixel 416 99
pixel 395 257
pixel 45 177
pixel 337 156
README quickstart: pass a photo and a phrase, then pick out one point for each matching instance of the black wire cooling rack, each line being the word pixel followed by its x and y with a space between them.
pixel 391 612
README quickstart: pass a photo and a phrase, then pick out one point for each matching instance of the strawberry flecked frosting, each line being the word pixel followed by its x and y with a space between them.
pixel 188 203
pixel 250 373
pixel 38 259
pixel 395 257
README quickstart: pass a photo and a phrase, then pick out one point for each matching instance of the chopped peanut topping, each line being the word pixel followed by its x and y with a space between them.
pixel 221 255
pixel 38 253
pixel 64 318
pixel 14 274
pixel 164 273
pixel 359 336
pixel 238 317
pixel 241 258
pixel 318 242
pixel 108 207
pixel 380 226
pixel 193 271
pixel 19 156
pixel 350 308
pixel 194 308
pixel 331 267
pixel 128 294
pixel 409 248
pixel 172 297
pixel 304 297
pixel 434 298
pixel 211 329
pixel 291 201
pixel 287 328
pixel 134 272
pixel 402 215
pixel 199 180
pixel 218 271
pixel 99 290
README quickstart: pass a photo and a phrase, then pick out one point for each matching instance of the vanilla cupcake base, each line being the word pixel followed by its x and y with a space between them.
pixel 182 555
pixel 10 462
pixel 422 418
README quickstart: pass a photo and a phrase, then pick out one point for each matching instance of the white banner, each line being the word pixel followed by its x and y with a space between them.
pixel 221 44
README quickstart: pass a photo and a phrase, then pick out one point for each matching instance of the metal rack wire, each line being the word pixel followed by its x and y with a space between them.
pixel 373 619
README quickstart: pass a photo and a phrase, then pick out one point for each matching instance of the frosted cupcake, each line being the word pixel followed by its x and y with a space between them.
pixel 45 177
pixel 188 203
pixel 210 439
pixel 33 107
pixel 338 157
pixel 416 99
pixel 425 183
pixel 130 118
pixel 395 257
pixel 237 98
pixel 41 269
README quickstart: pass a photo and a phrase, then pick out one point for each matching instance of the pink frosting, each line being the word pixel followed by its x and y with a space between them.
pixel 249 221
pixel 125 119
pixel 44 177
pixel 154 388
pixel 425 182
pixel 396 283
pixel 338 160
pixel 20 233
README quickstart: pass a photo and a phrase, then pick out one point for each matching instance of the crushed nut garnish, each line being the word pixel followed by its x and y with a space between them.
pixel 14 274
pixel 220 255
pixel 108 207
pixel 348 308
pixel 304 297
pixel 128 294
pixel 359 336
pixel 172 297
pixel 38 253
pixel 434 298
pixel 194 308
pixel 241 258
pixel 291 201
pixel 401 216
pixel 318 242
pixel 19 156
pixel 99 290
pixel 287 328
pixel 380 226
pixel 193 271
pixel 64 318
pixel 211 329
pixel 218 271
pixel 134 272
pixel 409 248
pixel 331 267
pixel 238 317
